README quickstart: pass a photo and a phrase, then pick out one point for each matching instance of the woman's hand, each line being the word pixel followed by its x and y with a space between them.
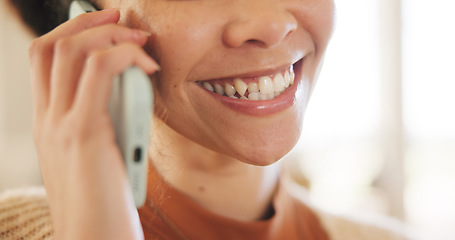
pixel 72 69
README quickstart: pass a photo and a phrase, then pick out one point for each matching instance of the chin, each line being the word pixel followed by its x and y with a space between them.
pixel 268 152
pixel 268 140
pixel 261 162
pixel 264 158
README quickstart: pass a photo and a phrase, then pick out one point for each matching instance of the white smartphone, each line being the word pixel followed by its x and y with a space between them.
pixel 130 107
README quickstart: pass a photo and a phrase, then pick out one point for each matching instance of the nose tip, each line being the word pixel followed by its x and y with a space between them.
pixel 262 28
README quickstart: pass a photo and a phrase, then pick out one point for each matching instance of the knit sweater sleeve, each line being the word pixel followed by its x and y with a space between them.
pixel 24 214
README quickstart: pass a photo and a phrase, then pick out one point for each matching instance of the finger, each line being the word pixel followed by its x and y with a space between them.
pixel 85 21
pixel 41 53
pixel 102 66
pixel 70 56
pixel 40 59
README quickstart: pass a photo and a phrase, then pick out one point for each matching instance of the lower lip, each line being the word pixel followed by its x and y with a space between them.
pixel 263 107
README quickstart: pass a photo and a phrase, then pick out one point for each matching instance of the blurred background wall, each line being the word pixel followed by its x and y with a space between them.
pixel 379 134
pixel 18 164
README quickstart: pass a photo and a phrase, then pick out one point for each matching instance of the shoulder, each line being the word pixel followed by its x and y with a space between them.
pixel 351 227
pixel 24 214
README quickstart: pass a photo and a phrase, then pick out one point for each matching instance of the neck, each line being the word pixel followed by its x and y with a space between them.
pixel 223 185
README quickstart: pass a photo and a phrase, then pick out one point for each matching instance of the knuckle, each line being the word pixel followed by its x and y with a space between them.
pixel 64 46
pixel 75 130
pixel 37 47
pixel 52 133
pixel 98 59
pixel 77 133
pixel 69 135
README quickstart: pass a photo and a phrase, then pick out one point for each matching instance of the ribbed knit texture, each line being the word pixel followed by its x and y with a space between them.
pixel 24 214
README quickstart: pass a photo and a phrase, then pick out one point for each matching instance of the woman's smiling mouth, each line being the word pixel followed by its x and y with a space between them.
pixel 259 95
pixel 257 88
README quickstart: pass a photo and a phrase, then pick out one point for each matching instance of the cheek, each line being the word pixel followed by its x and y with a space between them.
pixel 181 38
pixel 324 31
pixel 317 18
pixel 180 30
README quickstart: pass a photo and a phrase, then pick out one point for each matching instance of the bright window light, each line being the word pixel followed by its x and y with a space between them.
pixel 429 115
pixel 339 153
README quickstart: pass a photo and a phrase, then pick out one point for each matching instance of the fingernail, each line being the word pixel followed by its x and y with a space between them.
pixel 110 10
pixel 148 34
pixel 143 33
pixel 157 67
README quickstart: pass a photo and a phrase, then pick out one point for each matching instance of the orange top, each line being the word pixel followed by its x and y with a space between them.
pixel 170 214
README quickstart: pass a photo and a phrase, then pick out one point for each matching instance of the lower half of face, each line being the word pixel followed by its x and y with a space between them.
pixel 236 75
pixel 256 120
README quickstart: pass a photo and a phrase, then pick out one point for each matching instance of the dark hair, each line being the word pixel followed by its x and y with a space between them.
pixel 41 16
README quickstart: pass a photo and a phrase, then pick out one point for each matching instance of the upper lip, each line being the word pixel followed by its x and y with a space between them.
pixel 258 73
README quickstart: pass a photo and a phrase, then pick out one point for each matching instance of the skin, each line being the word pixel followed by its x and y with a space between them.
pixel 211 152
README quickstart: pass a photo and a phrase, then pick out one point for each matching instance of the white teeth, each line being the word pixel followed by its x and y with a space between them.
pixel 229 89
pixel 253 96
pixel 278 83
pixel 266 85
pixel 253 88
pixel 219 89
pixel 286 79
pixel 208 86
pixel 262 96
pixel 240 86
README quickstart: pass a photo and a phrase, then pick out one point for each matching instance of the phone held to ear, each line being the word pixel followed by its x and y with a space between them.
pixel 130 107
